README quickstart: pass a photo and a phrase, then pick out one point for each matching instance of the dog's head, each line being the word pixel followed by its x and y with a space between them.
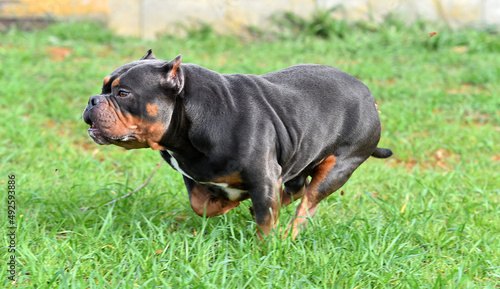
pixel 135 106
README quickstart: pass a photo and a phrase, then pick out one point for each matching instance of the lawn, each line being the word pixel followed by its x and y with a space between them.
pixel 428 217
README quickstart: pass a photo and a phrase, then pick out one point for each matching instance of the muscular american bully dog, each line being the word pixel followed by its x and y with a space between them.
pixel 235 136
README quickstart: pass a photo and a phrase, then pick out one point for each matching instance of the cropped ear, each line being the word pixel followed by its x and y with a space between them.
pixel 174 76
pixel 148 55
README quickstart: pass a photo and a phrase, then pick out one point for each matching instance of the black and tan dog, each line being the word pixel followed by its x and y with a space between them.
pixel 235 136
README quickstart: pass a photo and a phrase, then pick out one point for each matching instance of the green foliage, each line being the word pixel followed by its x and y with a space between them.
pixel 320 24
pixel 86 31
pixel 326 24
pixel 426 218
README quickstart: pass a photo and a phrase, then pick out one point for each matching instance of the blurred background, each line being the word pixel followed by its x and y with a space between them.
pixel 147 18
pixel 427 217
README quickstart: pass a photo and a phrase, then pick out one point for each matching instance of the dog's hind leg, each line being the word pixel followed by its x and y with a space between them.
pixel 330 175
pixel 294 189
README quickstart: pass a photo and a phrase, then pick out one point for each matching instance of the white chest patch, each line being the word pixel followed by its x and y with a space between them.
pixel 176 166
pixel 232 193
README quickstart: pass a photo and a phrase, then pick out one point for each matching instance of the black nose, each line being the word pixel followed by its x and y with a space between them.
pixel 95 100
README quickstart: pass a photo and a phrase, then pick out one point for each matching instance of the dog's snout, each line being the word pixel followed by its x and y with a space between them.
pixel 94 100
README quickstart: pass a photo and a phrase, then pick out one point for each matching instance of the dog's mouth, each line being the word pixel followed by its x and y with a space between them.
pixel 101 138
pixel 97 135
pixel 106 133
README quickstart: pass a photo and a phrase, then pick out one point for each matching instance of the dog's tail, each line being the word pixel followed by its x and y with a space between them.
pixel 382 153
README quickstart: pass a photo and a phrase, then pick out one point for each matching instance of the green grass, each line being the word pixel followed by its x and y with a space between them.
pixel 426 218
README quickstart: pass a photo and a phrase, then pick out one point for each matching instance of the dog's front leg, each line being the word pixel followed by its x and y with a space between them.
pixel 266 205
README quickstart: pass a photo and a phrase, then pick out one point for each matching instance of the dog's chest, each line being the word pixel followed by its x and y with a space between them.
pixel 228 184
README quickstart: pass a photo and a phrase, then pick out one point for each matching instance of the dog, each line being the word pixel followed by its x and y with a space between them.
pixel 296 133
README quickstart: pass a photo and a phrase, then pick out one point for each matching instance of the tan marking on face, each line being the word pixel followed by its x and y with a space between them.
pixel 147 134
pixel 106 80
pixel 233 180
pixel 152 109
pixel 115 82
pixel 152 133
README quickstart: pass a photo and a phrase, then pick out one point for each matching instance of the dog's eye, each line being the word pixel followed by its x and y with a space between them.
pixel 122 93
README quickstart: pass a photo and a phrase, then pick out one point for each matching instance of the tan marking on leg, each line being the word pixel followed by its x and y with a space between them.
pixel 301 215
pixel 269 225
pixel 322 171
pixel 203 202
pixel 287 199
pixel 311 199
